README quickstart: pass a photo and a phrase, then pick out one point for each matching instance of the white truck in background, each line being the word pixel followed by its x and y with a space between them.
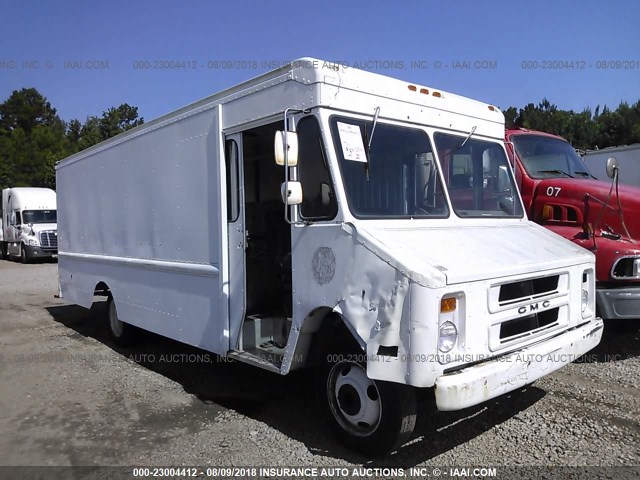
pixel 628 157
pixel 348 243
pixel 29 223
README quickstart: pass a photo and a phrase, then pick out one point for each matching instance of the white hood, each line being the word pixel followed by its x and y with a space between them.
pixel 454 254
pixel 42 227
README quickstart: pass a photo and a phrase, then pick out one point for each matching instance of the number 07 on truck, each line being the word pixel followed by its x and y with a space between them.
pixel 327 217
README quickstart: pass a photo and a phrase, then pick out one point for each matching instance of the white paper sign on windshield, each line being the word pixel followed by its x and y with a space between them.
pixel 351 141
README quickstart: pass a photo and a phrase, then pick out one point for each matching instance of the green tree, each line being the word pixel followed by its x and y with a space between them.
pixel 33 138
pixel 112 122
pixel 510 117
pixel 25 109
pixel 89 133
pixel 118 120
pixel 603 128
pixel 73 131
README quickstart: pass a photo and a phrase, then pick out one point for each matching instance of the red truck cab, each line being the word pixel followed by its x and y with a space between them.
pixel 559 193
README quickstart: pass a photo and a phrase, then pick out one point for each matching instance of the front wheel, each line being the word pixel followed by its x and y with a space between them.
pixel 24 258
pixel 123 334
pixel 369 416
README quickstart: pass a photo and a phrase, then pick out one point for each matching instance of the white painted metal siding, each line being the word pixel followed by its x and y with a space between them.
pixel 143 216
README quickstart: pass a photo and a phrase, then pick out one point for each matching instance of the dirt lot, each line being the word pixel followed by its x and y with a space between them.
pixel 69 396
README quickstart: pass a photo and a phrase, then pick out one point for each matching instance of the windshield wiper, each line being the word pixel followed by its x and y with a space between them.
pixel 555 171
pixel 467 139
pixel 585 174
pixel 376 113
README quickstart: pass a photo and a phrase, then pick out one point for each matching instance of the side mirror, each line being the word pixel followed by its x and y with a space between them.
pixel 503 179
pixel 612 166
pixel 291 147
pixel 486 161
pixel 325 194
pixel 291 193
pixel 507 205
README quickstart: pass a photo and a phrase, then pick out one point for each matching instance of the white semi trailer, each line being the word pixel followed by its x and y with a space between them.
pixel 378 270
pixel 29 223
pixel 628 157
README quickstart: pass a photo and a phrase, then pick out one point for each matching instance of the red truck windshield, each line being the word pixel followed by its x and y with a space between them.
pixel 478 177
pixel 546 157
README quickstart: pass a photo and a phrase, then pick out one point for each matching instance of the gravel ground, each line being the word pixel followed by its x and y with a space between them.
pixel 69 396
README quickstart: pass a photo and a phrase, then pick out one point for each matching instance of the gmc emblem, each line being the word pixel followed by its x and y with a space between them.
pixel 533 307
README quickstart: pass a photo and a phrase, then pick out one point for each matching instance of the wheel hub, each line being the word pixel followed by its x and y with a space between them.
pixel 354 398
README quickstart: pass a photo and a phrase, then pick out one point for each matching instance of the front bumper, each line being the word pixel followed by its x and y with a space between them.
pixel 478 383
pixel 618 303
pixel 39 252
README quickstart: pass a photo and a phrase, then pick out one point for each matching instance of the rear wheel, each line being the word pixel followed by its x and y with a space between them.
pixel 370 416
pixel 123 334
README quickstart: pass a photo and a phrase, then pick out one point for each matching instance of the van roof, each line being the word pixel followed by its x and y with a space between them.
pixel 312 71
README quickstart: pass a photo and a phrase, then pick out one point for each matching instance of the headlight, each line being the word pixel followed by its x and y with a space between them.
pixel 448 337
pixel 585 300
pixel 33 242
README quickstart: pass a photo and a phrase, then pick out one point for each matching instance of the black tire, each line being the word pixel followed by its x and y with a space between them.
pixel 369 416
pixel 24 258
pixel 122 333
pixel 3 251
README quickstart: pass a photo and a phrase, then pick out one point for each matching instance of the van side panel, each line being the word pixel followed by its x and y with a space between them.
pixel 144 216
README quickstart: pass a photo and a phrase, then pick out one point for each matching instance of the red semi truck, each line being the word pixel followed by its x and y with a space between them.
pixel 559 193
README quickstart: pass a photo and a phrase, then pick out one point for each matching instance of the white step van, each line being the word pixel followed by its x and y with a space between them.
pixel 313 217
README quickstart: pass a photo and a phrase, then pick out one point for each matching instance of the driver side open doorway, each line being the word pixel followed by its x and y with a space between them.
pixel 260 291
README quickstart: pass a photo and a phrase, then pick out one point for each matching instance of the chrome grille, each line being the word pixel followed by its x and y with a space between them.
pixel 626 268
pixel 49 240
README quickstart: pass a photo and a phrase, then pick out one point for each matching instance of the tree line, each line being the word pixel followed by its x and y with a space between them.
pixel 33 137
pixel 586 130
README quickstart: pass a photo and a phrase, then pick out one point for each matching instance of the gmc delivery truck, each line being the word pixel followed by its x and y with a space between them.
pixel 560 193
pixel 29 223
pixel 313 217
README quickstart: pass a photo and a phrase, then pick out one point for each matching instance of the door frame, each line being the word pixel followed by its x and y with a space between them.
pixel 236 238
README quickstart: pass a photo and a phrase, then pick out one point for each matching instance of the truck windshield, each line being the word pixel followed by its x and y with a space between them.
pixel 546 157
pixel 478 177
pixel 397 178
pixel 39 216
